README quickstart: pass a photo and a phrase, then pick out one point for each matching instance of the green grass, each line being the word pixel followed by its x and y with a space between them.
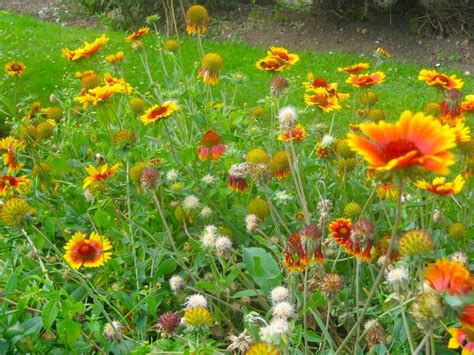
pixel 38 44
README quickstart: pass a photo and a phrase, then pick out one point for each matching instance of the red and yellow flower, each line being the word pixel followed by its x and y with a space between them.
pixel 12 184
pixel 86 50
pixel 321 98
pixel 468 104
pixel 15 68
pixel 449 276
pixel 10 146
pixel 415 140
pixel 439 80
pixel 356 68
pixel 211 64
pixel 297 134
pixel 462 338
pixel 87 252
pixel 277 60
pixel 387 191
pixel 211 146
pixel 303 249
pixel 197 20
pixel 159 112
pixel 366 80
pixel 341 230
pixel 137 34
pixel 99 174
pixel 440 186
pixel 115 58
pixel 101 93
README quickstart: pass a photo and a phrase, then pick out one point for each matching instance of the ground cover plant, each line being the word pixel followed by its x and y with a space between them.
pixel 182 195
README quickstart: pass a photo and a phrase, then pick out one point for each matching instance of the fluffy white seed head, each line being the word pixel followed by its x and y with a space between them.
pixel 287 117
pixel 176 283
pixel 280 294
pixel 397 276
pixel 208 179
pixel 223 246
pixel 171 175
pixel 195 300
pixel 205 212
pixel 190 202
pixel 283 310
pixel 251 223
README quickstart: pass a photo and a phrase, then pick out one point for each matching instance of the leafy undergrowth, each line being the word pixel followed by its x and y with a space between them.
pixel 175 198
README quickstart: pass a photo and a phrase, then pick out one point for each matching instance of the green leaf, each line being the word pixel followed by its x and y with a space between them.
pixel 247 293
pixel 50 312
pixel 167 267
pixel 32 325
pixel 68 331
pixel 262 267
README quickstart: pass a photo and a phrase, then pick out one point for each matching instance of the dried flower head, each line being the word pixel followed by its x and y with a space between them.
pixel 149 178
pixel 287 117
pixel 176 283
pixel 374 333
pixel 331 284
pixel 196 300
pixel 280 294
pixel 427 310
pixel 283 309
pixel 169 322
pixel 112 331
pixel 223 246
pixel 240 343
pixel 252 223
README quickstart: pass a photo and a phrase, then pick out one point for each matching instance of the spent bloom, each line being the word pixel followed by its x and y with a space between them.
pixel 252 222
pixel 287 117
pixel 171 175
pixel 280 294
pixel 283 310
pixel 176 283
pixel 397 276
pixel 195 300
pixel 223 246
pixel 190 202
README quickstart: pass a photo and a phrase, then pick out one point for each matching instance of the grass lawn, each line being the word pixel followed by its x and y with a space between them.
pixel 38 44
pixel 115 214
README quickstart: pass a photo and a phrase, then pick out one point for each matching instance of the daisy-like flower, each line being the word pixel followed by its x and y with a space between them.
pixel 197 20
pixel 449 276
pixel 270 64
pixel 137 34
pixel 277 60
pixel 297 134
pixel 321 98
pixel 341 230
pixel 440 186
pixel 86 50
pixel 462 338
pixel 87 252
pixel 366 80
pixel 99 174
pixel 159 112
pixel 15 68
pixel 468 104
pixel 439 80
pixel 282 54
pixel 462 132
pixel 211 146
pixel 115 58
pixel 10 146
pixel 12 184
pixel 356 68
pixel 211 64
pixel 414 141
pixel 100 94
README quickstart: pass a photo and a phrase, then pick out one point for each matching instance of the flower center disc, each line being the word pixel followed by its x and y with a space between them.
pixel 87 252
pixel 397 149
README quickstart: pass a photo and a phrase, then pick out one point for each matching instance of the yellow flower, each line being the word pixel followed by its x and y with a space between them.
pixel 366 80
pixel 86 50
pixel 115 58
pixel 211 64
pixel 137 34
pixel 198 317
pixel 262 349
pixel 99 174
pixel 159 112
pixel 102 93
pixel 14 211
pixel 354 68
pixel 13 184
pixel 91 252
pixel 15 68
pixel 439 185
pixel 438 80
